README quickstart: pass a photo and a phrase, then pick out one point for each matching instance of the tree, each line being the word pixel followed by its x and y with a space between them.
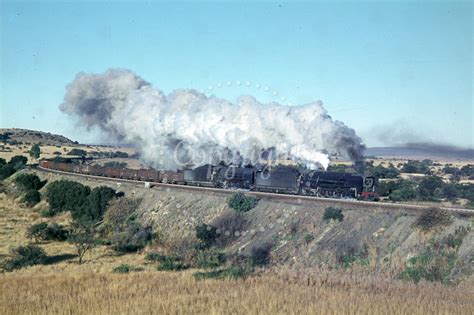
pixel 417 167
pixel 428 186
pixel 83 239
pixel 29 182
pixel 18 161
pixel 65 195
pixel 450 192
pixel 95 205
pixel 35 151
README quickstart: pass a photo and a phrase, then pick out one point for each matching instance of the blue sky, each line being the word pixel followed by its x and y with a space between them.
pixel 396 72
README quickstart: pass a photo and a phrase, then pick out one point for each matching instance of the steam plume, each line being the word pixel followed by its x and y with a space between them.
pixel 187 126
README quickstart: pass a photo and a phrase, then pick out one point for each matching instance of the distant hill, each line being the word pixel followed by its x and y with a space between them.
pixel 25 136
pixel 422 151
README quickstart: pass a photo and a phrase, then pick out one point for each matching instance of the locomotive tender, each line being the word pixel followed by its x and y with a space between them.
pixel 279 179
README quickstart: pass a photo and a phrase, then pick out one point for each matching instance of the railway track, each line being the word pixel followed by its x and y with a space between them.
pixel 292 199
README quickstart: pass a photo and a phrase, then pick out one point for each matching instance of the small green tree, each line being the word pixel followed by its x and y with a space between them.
pixel 308 238
pixel 83 239
pixel 35 151
pixel 331 213
pixel 242 203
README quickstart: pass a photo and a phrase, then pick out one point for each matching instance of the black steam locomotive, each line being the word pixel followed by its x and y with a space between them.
pixel 279 179
pixel 285 180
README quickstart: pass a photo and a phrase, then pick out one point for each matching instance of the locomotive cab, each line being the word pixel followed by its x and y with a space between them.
pixel 369 192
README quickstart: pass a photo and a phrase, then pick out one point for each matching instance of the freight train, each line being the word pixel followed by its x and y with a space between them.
pixel 279 179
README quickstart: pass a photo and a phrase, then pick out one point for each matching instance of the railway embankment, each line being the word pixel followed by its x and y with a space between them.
pixel 383 239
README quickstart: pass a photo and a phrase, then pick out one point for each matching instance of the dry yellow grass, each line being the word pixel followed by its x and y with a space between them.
pixel 276 292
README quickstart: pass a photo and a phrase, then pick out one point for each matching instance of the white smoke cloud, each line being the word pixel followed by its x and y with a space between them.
pixel 187 126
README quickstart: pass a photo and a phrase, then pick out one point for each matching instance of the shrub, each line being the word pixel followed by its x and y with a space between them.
pixel 93 208
pixel 403 193
pixel 207 234
pixel 31 198
pixel 308 238
pixel 241 203
pixel 260 254
pixel 171 263
pixel 47 232
pixel 331 213
pixel 24 256
pixel 227 225
pixel 154 257
pixel 78 152
pixel 6 171
pixel 432 218
pixel 436 262
pixel 132 239
pixel 65 195
pixel 210 259
pixel 29 182
pixel 47 213
pixel 125 268
pixel 36 231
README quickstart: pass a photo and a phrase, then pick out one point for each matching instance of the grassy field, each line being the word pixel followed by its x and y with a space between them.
pixel 80 291
pixel 64 286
